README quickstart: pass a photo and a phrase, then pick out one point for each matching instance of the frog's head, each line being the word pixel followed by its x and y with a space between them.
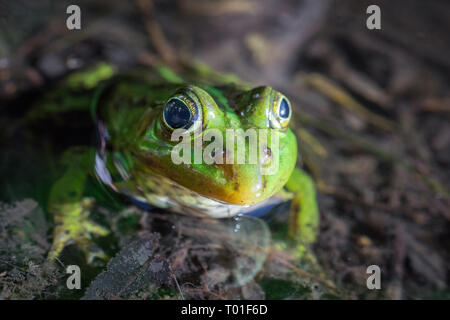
pixel 193 114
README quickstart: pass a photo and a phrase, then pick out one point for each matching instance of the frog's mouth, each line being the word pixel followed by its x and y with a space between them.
pixel 241 185
pixel 187 201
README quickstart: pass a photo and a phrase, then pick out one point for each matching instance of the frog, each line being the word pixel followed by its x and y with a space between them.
pixel 135 115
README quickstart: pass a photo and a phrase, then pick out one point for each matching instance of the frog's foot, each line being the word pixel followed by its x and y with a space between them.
pixel 73 226
pixel 303 230
pixel 304 213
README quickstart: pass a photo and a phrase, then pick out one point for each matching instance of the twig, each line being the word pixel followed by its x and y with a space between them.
pixel 278 257
pixel 343 99
pixel 432 183
pixel 155 33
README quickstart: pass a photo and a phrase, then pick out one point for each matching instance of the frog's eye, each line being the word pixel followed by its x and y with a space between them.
pixel 281 113
pixel 180 113
pixel 284 111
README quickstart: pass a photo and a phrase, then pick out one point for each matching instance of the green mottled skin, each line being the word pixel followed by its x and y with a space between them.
pixel 139 151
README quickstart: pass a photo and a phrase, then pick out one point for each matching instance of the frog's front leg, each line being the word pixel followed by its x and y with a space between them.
pixel 304 215
pixel 70 209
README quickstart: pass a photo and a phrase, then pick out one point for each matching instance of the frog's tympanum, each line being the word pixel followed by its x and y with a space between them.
pixel 136 114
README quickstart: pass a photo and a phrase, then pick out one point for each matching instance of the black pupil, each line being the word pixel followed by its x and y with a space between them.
pixel 177 114
pixel 284 109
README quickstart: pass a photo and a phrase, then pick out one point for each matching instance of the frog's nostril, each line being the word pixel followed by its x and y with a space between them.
pixel 266 156
pixel 219 156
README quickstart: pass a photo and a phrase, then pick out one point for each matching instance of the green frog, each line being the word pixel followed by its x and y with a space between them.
pixel 136 115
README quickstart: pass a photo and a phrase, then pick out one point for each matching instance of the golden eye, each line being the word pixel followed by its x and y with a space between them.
pixel 281 112
pixel 284 110
pixel 177 114
pixel 182 111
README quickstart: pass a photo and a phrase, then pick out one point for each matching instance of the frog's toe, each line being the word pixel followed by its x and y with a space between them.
pixel 95 229
pixel 61 239
pixel 304 253
pixel 93 252
pixel 84 241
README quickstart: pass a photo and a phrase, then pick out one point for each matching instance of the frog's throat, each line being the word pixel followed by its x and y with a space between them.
pixel 162 192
